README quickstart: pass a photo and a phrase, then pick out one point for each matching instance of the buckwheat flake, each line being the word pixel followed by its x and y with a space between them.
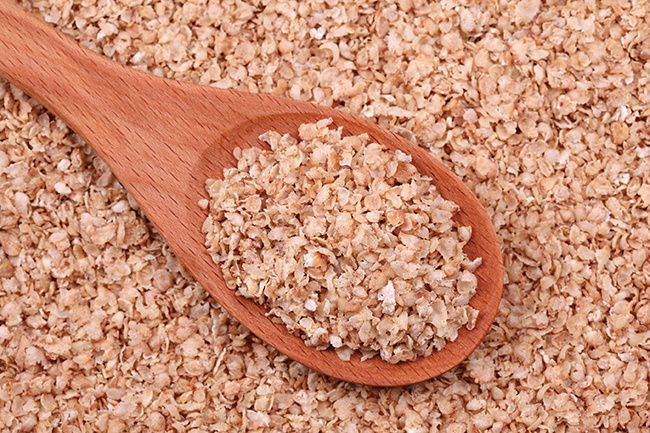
pixel 569 348
pixel 345 243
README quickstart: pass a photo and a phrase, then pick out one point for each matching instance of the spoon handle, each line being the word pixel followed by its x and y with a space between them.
pixel 123 114
pixel 118 111
pixel 49 66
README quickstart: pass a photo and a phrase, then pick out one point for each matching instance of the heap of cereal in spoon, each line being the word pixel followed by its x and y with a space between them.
pixel 345 243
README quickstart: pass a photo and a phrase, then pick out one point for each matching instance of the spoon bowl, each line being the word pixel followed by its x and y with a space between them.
pixel 163 139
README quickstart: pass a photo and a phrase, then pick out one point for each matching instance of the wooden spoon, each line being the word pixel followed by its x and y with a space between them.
pixel 163 139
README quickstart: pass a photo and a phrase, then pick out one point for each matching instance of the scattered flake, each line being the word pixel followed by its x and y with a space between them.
pixel 387 297
pixel 62 188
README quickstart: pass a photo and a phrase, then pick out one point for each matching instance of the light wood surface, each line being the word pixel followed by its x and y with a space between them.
pixel 163 139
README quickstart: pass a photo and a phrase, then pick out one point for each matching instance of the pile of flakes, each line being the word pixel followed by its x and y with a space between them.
pixel 345 243
pixel 542 108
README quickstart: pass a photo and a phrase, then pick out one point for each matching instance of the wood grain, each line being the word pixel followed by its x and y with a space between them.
pixel 163 139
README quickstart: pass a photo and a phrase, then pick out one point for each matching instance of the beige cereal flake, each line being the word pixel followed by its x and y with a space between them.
pixel 345 243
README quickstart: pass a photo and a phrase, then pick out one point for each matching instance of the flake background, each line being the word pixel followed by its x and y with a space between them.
pixel 540 107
